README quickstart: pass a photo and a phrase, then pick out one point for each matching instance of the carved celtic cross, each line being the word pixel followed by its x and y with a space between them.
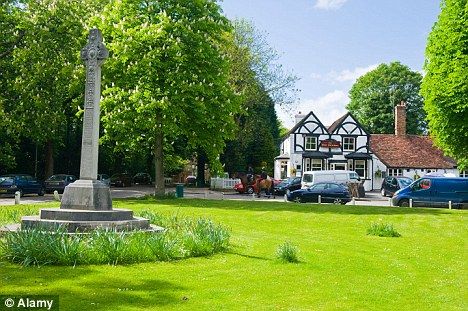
pixel 93 54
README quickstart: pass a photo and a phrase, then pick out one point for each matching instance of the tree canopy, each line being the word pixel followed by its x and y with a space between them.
pixel 445 85
pixel 375 94
pixel 167 77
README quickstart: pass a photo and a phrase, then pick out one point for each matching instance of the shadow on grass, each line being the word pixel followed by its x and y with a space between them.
pixel 248 256
pixel 265 206
pixel 93 287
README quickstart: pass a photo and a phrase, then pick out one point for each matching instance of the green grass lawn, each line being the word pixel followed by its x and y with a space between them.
pixel 340 268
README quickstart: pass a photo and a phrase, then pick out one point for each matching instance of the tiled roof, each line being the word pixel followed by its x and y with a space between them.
pixel 408 151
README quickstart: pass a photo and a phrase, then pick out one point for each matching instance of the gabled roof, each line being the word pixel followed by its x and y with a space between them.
pixel 332 128
pixel 409 151
pixel 300 123
pixel 337 123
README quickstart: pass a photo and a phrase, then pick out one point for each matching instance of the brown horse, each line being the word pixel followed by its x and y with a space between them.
pixel 266 184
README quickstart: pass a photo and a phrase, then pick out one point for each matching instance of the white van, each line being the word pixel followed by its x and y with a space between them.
pixel 310 178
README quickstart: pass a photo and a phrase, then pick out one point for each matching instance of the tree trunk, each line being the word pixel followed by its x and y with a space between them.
pixel 158 160
pixel 201 161
pixel 49 159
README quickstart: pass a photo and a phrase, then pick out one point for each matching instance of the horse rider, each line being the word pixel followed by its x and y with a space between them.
pixel 250 174
pixel 263 175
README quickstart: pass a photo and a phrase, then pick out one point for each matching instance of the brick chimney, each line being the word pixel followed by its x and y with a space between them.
pixel 299 117
pixel 400 119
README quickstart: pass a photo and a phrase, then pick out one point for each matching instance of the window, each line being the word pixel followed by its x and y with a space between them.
pixel 395 172
pixel 360 168
pixel 310 143
pixel 423 184
pixel 349 143
pixel 463 173
pixel 316 164
pixel 313 164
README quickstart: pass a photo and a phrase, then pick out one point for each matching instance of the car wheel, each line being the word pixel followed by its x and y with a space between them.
pixel 41 192
pixel 337 201
pixel 404 203
pixel 250 190
pixel 383 193
pixel 298 200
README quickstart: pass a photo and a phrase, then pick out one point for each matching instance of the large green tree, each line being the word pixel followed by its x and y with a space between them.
pixel 264 85
pixel 11 37
pixel 48 79
pixel 375 94
pixel 445 85
pixel 167 77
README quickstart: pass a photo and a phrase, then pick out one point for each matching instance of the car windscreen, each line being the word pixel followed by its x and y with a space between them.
pixel 404 182
pixel 5 180
pixel 57 178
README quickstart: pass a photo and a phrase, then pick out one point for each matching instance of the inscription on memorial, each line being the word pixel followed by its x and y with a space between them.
pixel 93 54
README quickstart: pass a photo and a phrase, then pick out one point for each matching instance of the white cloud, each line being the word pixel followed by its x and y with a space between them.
pixel 327 108
pixel 329 4
pixel 350 75
pixel 315 76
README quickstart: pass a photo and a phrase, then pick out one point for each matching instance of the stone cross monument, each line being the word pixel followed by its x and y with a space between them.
pixel 87 192
pixel 86 203
pixel 93 54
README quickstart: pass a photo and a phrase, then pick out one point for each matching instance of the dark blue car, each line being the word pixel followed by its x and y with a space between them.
pixel 434 192
pixel 287 186
pixel 328 191
pixel 23 183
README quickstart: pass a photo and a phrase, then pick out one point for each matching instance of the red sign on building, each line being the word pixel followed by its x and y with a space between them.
pixel 330 143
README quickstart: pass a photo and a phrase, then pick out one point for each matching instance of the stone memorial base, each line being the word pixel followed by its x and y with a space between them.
pixel 51 219
pixel 86 195
pixel 86 205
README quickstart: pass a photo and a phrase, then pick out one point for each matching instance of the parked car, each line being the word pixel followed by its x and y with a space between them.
pixel 287 185
pixel 310 178
pixel 434 192
pixel 58 182
pixel 392 184
pixel 104 178
pixel 330 192
pixel 142 179
pixel 249 189
pixel 121 180
pixel 191 180
pixel 23 183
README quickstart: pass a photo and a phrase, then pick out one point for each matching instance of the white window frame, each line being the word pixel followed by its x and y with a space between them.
pixel 358 167
pixel 349 143
pixel 464 173
pixel 317 164
pixel 308 142
pixel 394 172
pixel 313 164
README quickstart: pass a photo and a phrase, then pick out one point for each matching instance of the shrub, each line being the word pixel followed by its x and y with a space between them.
pixel 182 238
pixel 287 252
pixel 162 247
pixel 39 247
pixel 382 230
pixel 203 237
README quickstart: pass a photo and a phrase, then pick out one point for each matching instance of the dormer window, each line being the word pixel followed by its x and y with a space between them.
pixel 310 143
pixel 349 143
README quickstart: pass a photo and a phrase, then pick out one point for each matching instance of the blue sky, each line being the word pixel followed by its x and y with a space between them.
pixel 330 43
